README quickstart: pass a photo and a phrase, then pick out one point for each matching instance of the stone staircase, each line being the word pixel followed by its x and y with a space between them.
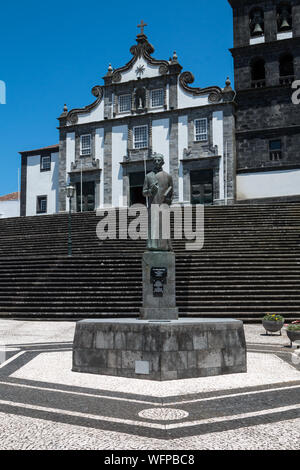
pixel 250 265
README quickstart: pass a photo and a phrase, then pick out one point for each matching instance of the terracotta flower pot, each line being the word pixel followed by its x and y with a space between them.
pixel 273 326
pixel 293 336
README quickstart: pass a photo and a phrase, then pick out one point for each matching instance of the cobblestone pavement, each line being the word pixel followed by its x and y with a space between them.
pixel 43 405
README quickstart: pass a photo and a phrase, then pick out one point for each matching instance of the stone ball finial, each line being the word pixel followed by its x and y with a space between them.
pixel 109 70
pixel 227 88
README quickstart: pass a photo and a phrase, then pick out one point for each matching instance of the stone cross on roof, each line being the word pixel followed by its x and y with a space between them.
pixel 142 25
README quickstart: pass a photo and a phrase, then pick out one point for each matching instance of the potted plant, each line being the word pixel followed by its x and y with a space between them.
pixel 273 323
pixel 293 332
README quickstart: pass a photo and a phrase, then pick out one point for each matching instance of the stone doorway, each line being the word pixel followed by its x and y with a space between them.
pixel 202 187
pixel 88 196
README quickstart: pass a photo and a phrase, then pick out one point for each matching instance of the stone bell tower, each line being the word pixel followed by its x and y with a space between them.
pixel 266 57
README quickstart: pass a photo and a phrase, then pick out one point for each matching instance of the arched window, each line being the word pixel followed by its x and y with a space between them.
pixel 286 69
pixel 257 22
pixel 258 73
pixel 284 17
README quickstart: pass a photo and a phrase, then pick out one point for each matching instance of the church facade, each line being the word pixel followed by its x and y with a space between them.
pixel 221 146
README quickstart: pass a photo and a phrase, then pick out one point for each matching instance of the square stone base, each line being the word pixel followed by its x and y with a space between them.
pixel 164 306
pixel 160 350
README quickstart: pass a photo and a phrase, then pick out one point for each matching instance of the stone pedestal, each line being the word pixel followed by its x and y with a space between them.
pixel 160 350
pixel 159 286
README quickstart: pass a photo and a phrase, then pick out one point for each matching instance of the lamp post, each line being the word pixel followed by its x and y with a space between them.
pixel 70 193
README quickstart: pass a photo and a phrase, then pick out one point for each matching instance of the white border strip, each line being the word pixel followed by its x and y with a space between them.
pixel 11 358
pixel 177 425
pixel 145 402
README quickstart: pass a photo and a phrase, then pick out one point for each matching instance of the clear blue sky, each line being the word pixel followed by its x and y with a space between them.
pixel 54 52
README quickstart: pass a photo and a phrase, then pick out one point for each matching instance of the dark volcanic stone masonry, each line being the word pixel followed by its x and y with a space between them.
pixel 265 112
pixel 154 350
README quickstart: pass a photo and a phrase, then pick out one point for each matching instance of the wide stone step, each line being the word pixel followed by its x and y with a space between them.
pixel 136 272
pixel 250 264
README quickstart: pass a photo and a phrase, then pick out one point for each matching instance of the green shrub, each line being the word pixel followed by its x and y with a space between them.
pixel 294 327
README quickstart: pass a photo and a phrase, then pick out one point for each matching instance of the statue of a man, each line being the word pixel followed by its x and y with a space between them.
pixel 158 189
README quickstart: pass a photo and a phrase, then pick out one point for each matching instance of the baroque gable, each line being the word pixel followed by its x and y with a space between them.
pixel 138 78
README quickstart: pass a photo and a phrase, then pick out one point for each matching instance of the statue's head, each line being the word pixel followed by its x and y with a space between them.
pixel 159 161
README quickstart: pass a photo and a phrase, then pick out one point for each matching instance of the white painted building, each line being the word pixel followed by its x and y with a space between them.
pixel 39 181
pixel 10 205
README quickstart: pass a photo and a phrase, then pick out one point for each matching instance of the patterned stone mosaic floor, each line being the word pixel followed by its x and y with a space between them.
pixel 43 405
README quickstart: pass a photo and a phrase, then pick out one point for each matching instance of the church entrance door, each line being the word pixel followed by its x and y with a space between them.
pixel 136 181
pixel 202 187
pixel 88 196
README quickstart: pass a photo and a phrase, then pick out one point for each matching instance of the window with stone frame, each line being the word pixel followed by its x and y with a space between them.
pixel 140 137
pixel 45 163
pixel 85 145
pixel 41 205
pixel 275 150
pixel 157 98
pixel 124 103
pixel 201 130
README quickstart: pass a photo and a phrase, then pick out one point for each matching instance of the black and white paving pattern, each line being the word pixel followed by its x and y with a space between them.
pixel 44 405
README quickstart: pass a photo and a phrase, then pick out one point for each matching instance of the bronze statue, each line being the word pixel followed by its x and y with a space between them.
pixel 158 190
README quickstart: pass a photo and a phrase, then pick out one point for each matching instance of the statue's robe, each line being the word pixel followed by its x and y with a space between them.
pixel 158 189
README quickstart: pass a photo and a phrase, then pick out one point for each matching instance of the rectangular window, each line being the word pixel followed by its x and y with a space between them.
pixel 46 163
pixel 157 98
pixel 41 206
pixel 201 130
pixel 85 145
pixel 275 148
pixel 140 137
pixel 124 103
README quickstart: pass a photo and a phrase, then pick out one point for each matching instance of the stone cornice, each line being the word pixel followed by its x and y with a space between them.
pixel 268 168
pixel 270 130
pixel 268 45
pixel 197 159
pixel 157 115
pixel 241 3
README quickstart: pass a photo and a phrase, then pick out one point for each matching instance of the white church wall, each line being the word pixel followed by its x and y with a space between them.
pixel 268 184
pixel 182 144
pixel 42 183
pixel 167 96
pixel 119 149
pixel 186 100
pixel 70 150
pixel 161 139
pixel 99 154
pixel 95 115
pixel 149 71
pixel 70 155
pixel 9 209
pixel 218 139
